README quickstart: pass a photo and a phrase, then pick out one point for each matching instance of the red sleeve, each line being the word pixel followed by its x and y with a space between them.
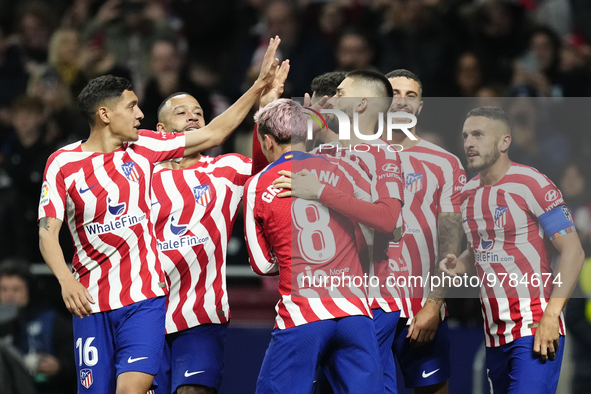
pixel 259 161
pixel 381 215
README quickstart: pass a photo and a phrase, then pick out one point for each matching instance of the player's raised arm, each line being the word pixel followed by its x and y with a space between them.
pixel 76 296
pixel 219 129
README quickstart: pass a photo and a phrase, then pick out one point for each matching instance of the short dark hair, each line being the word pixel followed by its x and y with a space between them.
pixel 16 267
pixel 327 84
pixel 97 91
pixel 494 113
pixel 401 72
pixel 373 80
pixel 163 103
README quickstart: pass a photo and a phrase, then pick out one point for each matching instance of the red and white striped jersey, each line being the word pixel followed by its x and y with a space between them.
pixel 382 164
pixel 106 198
pixel 306 243
pixel 503 230
pixel 434 179
pixel 193 211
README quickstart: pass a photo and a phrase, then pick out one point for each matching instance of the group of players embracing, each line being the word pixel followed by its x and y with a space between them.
pixel 150 218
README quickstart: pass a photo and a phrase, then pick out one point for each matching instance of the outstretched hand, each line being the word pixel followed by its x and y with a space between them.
pixel 270 63
pixel 275 90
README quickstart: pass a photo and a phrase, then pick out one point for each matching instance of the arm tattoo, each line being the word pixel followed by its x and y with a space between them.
pixel 450 233
pixel 43 223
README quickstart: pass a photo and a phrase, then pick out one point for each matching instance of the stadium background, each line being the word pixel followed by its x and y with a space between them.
pixel 212 48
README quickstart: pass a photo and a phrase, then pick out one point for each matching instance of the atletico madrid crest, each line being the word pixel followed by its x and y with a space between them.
pixel 131 171
pixel 202 194
pixel 414 182
pixel 501 214
pixel 86 377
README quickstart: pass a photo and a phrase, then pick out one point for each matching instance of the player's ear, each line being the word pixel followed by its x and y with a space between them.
pixel 268 141
pixel 103 114
pixel 362 105
pixel 420 107
pixel 160 127
pixel 505 142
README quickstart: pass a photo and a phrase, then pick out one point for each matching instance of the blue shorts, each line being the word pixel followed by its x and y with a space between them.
pixel 122 340
pixel 425 365
pixel 386 324
pixel 344 348
pixel 193 357
pixel 515 368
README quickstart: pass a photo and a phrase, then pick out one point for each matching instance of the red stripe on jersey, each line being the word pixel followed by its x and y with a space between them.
pixel 185 288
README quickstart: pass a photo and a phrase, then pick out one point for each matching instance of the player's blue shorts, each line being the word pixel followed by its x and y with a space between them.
pixel 193 357
pixel 386 324
pixel 122 340
pixel 425 365
pixel 345 348
pixel 515 368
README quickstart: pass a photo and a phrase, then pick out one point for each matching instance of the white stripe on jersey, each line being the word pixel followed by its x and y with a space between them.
pixel 259 262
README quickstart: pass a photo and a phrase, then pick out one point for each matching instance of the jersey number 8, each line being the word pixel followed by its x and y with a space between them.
pixel 315 238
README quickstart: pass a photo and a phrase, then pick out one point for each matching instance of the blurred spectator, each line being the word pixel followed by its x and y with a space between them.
pixel 209 25
pixel 13 76
pixel 65 56
pixel 96 60
pixel 79 13
pixel 499 34
pixel 355 51
pixel 41 335
pixel 129 29
pixel 36 23
pixel 416 40
pixel 65 124
pixel 25 154
pixel 539 67
pixel 205 75
pixel 168 77
pixel 331 21
pixel 575 185
pixel 309 55
pixel 556 14
pixel 536 141
pixel 468 75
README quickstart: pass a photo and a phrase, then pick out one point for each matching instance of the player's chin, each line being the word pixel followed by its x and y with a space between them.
pixel 134 135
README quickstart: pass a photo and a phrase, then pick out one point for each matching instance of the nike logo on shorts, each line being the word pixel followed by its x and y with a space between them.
pixel 426 375
pixel 85 190
pixel 133 360
pixel 188 374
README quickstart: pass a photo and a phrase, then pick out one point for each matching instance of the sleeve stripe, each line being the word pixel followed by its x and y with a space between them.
pixel 258 260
